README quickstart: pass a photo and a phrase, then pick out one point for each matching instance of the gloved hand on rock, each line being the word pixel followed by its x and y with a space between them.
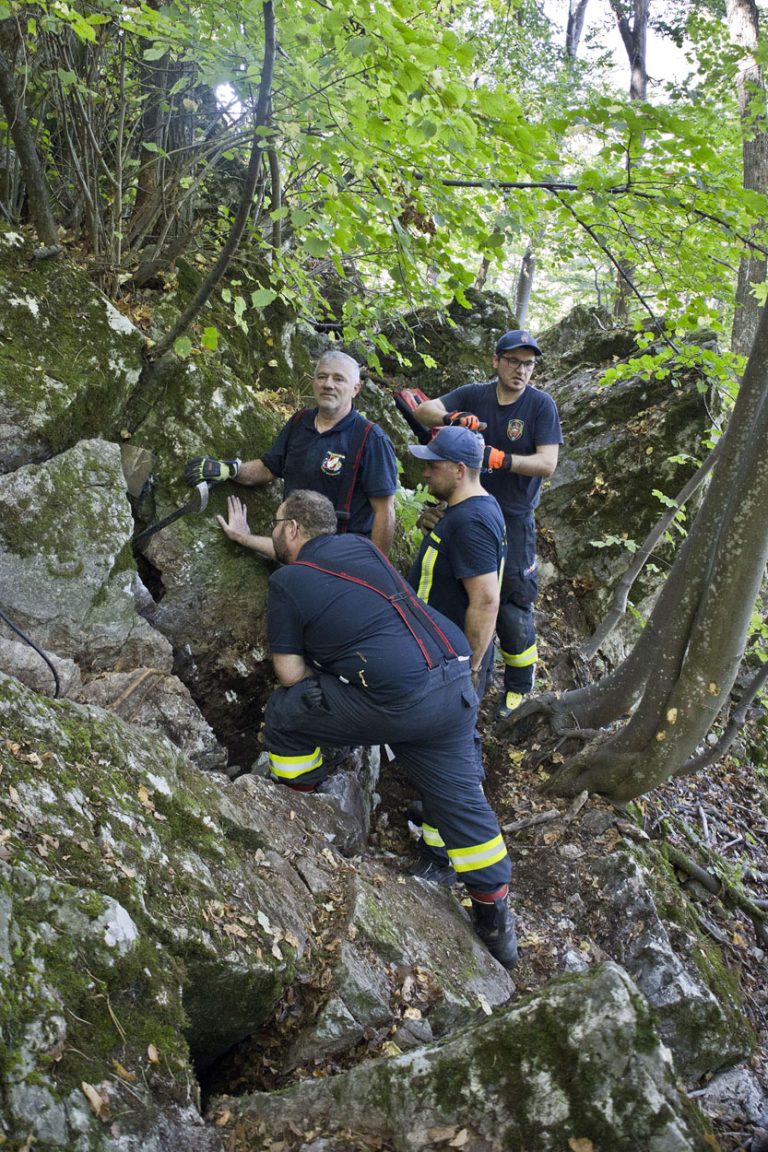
pixel 207 468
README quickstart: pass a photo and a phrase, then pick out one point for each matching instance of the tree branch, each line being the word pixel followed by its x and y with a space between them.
pixel 244 209
pixel 621 271
pixel 618 606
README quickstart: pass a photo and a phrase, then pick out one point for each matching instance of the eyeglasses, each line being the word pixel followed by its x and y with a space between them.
pixel 282 520
pixel 518 363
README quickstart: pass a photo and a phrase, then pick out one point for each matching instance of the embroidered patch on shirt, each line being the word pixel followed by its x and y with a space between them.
pixel 332 464
pixel 515 429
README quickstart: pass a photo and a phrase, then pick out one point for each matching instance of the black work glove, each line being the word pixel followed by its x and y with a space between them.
pixel 313 696
pixel 464 420
pixel 495 459
pixel 207 468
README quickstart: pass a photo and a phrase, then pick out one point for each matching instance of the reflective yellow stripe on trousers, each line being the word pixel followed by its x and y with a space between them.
pixel 290 767
pixel 432 836
pixel 520 659
pixel 478 856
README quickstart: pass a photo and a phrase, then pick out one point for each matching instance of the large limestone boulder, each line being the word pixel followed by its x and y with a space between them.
pixel 65 527
pixel 70 583
pixel 578 1066
pixel 68 359
pixel 154 916
pixel 697 1007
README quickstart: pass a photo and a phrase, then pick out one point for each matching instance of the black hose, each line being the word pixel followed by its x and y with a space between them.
pixel 39 651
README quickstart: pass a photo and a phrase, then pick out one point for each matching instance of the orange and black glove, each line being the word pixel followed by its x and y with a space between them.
pixel 464 420
pixel 495 459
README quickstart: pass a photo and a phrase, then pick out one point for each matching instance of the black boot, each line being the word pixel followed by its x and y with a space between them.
pixel 495 925
pixel 434 871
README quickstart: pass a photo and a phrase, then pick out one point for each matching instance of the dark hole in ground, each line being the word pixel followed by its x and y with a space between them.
pixel 151 579
pixel 233 706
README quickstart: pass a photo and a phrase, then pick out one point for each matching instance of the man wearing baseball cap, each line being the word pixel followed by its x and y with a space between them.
pixel 459 565
pixel 457 572
pixel 522 431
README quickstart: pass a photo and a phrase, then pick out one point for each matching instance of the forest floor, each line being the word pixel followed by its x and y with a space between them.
pixel 717 819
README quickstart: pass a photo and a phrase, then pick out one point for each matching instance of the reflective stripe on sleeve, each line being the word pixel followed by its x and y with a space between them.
pixel 291 767
pixel 427 572
pixel 478 855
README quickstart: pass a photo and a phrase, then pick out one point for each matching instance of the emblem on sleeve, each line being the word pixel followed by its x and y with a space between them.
pixel 515 429
pixel 332 464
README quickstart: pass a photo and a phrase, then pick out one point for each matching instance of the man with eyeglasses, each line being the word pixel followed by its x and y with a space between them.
pixel 360 659
pixel 521 427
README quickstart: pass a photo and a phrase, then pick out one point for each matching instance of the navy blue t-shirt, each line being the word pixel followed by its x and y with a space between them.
pixel 518 428
pixel 306 458
pixel 348 629
pixel 470 540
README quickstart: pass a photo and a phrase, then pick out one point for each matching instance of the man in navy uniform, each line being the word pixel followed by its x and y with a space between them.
pixel 457 571
pixel 521 427
pixel 460 562
pixel 361 660
pixel 330 449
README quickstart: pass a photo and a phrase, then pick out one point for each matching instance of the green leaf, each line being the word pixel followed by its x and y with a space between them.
pixel 210 339
pixel 263 296
pixel 316 246
pixel 357 45
pixel 182 347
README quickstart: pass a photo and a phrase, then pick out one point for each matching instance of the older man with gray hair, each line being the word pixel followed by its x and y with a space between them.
pixel 330 449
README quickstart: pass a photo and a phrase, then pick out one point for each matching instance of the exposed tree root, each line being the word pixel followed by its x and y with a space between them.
pixel 733 893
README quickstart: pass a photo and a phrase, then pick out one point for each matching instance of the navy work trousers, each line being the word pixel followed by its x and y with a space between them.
pixel 519 589
pixel 433 738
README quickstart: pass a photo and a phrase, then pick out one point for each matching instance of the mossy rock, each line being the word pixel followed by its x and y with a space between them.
pixel 68 359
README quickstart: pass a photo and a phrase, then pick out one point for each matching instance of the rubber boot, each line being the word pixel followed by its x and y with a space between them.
pixel 494 923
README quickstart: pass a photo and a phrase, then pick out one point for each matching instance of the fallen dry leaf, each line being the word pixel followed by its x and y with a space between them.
pixel 483 1002
pixel 441 1135
pixel 123 1072
pixel 98 1102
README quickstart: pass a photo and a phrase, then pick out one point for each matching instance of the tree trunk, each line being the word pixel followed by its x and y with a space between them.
pixel 29 161
pixel 525 285
pixel 634 36
pixel 577 10
pixel 743 22
pixel 686 660
pixel 244 209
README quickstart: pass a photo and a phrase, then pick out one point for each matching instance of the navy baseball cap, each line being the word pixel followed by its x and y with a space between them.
pixel 518 338
pixel 456 444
